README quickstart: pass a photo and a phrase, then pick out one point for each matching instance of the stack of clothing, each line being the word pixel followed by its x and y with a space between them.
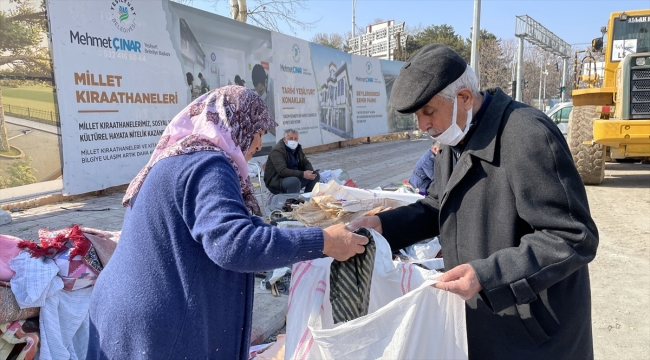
pixel 45 290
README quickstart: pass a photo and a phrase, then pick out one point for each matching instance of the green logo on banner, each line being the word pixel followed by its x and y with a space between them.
pixel 123 12
pixel 123 15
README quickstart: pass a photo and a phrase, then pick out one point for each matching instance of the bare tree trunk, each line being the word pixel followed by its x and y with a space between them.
pixel 238 10
pixel 243 11
pixel 234 9
pixel 4 139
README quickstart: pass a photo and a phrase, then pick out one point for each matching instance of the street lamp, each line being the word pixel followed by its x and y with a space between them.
pixel 354 8
pixel 476 33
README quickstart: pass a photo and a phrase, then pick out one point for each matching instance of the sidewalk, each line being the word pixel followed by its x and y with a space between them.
pixel 369 165
pixel 32 124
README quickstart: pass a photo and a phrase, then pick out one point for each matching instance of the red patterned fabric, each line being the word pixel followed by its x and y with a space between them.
pixel 226 120
pixel 72 252
pixel 49 246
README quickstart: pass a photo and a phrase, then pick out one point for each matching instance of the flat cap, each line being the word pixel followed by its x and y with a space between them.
pixel 425 74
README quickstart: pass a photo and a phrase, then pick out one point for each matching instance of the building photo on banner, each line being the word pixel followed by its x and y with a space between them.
pixel 332 73
pixel 124 69
pixel 218 51
pixel 30 156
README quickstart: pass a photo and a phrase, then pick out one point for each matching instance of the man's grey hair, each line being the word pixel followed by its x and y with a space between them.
pixel 466 81
pixel 290 131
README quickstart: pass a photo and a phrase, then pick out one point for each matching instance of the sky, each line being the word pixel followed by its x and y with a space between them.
pixel 575 21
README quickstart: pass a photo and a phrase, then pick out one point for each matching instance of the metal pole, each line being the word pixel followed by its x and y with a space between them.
pixel 544 99
pixel 520 70
pixel 354 7
pixel 476 32
pixel 539 99
pixel 563 79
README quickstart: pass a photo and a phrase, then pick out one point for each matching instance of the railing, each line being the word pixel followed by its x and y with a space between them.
pixel 42 116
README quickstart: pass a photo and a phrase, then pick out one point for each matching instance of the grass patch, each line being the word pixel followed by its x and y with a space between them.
pixel 12 152
pixel 35 97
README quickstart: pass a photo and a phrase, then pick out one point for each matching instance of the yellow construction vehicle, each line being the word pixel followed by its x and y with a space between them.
pixel 611 107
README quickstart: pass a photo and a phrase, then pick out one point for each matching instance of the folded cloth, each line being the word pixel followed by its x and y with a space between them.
pixel 8 250
pixel 63 320
pixel 325 176
pixel 104 242
pixel 350 283
pixel 72 252
pixel 19 339
pixel 9 309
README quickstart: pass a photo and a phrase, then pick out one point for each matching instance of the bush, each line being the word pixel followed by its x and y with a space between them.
pixel 20 173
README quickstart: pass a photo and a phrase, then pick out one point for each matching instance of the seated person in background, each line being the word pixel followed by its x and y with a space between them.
pixel 204 84
pixel 287 168
pixel 423 173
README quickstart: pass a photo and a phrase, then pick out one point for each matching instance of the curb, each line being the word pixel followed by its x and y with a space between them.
pixel 21 154
pixel 269 315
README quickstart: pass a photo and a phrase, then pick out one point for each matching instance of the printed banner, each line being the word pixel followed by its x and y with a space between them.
pixel 369 97
pixel 332 74
pixel 125 68
pixel 118 86
pixel 396 122
pixel 216 51
pixel 296 93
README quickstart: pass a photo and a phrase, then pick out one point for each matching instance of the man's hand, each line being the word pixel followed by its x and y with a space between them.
pixel 369 222
pixel 341 244
pixel 309 175
pixel 461 280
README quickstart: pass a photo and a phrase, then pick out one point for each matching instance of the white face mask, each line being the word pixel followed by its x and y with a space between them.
pixel 263 96
pixel 292 144
pixel 453 135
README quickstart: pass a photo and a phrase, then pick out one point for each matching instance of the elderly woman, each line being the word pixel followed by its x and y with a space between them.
pixel 180 283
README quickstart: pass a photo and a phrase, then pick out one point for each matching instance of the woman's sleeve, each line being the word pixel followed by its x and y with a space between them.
pixel 214 211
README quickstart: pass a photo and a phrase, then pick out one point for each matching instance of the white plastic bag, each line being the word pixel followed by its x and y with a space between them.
pixel 407 318
pixel 425 254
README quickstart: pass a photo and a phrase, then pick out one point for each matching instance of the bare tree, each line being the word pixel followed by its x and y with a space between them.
pixel 333 40
pixel 267 14
pixel 494 71
pixel 238 10
pixel 412 30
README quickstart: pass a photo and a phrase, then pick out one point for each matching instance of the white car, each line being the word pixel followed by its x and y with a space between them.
pixel 560 115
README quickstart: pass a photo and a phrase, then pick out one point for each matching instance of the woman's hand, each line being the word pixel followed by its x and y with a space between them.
pixel 341 244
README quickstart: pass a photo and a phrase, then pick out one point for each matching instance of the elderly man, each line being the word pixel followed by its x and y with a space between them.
pixel 287 168
pixel 510 208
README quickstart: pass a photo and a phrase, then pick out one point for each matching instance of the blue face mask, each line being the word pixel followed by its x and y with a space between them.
pixel 292 144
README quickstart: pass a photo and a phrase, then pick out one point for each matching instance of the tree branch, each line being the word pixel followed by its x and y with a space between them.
pixel 26 17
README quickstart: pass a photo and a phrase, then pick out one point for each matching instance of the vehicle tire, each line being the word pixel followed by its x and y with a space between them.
pixel 589 159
